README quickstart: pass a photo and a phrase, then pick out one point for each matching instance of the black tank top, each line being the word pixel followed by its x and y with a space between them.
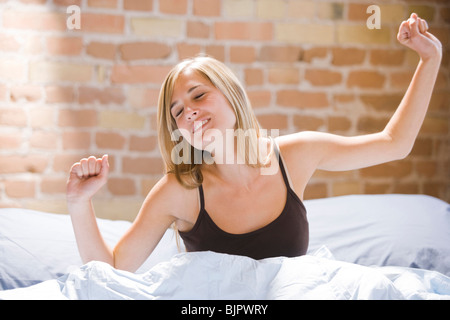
pixel 287 235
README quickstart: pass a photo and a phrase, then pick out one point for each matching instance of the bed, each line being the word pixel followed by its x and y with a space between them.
pixel 361 247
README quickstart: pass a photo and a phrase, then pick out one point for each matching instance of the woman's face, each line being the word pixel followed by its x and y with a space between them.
pixel 200 110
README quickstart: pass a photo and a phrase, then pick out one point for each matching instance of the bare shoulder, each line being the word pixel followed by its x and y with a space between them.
pixel 299 156
pixel 298 144
pixel 168 196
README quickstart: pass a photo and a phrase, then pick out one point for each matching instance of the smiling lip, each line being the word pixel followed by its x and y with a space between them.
pixel 199 124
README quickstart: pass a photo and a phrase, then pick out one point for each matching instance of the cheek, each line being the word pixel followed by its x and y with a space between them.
pixel 227 114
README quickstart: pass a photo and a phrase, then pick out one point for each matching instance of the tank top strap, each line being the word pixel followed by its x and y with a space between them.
pixel 202 197
pixel 280 161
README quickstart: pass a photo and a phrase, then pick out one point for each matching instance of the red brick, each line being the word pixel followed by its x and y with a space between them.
pixel 76 140
pixel 143 165
pixel 216 51
pixel 43 140
pixel 104 23
pixel 357 11
pixel 387 57
pixel 242 54
pixel 147 143
pixel 347 56
pixel 138 5
pixel 57 94
pixel 382 102
pixel 395 169
pixel 13 117
pixel 321 77
pixel 339 124
pixel 53 185
pixel 102 3
pixel 300 99
pixel 173 6
pixel 42 116
pixel 101 50
pixel 197 29
pixel 255 31
pixel 67 3
pixel 33 1
pixel 144 50
pixel 26 92
pixel 281 53
pixel 368 124
pixel 308 122
pixel 109 140
pixel 10 141
pixel 401 79
pixel 366 79
pixel 284 75
pixel 139 74
pixel 68 46
pixel 121 186
pixel 109 95
pixel 423 147
pixel 259 98
pixel 273 121
pixel 20 164
pixel 314 53
pixel 208 8
pixel 254 77
pixel 143 97
pixel 427 168
pixel 77 118
pixel 188 50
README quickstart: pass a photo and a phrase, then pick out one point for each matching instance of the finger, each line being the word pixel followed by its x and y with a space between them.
pixel 91 165
pixel 98 166
pixel 105 166
pixel 423 27
pixel 84 167
pixel 76 170
pixel 413 24
pixel 403 31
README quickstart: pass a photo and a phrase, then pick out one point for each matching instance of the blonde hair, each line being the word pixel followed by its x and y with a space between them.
pixel 189 174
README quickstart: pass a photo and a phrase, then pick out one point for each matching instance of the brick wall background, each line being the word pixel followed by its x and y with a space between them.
pixel 308 65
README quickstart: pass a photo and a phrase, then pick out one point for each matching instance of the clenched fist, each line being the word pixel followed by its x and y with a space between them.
pixel 86 178
pixel 414 34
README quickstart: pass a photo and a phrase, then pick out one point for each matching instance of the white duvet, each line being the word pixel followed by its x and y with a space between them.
pixel 209 275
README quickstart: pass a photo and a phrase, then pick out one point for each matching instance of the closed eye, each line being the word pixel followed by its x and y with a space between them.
pixel 199 96
pixel 178 112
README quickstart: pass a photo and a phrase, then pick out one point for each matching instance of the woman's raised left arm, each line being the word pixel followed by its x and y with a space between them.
pixel 405 124
pixel 334 152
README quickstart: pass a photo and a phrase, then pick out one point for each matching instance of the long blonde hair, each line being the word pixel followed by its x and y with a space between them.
pixel 247 126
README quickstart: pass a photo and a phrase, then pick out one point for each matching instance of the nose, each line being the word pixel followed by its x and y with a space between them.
pixel 192 114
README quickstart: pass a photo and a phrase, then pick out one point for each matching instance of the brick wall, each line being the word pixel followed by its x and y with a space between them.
pixel 308 65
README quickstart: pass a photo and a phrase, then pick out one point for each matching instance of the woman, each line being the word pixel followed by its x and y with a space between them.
pixel 230 206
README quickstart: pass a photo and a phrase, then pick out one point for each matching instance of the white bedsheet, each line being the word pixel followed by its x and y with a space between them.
pixel 209 275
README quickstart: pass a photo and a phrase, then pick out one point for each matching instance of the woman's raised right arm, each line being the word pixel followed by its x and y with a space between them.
pixel 86 178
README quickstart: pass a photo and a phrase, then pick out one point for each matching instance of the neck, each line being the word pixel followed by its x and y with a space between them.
pixel 225 167
pixel 239 176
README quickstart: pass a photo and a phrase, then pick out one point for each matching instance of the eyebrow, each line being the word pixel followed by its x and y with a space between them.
pixel 189 91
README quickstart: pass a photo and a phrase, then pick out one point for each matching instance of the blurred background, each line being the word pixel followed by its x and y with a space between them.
pixel 69 93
